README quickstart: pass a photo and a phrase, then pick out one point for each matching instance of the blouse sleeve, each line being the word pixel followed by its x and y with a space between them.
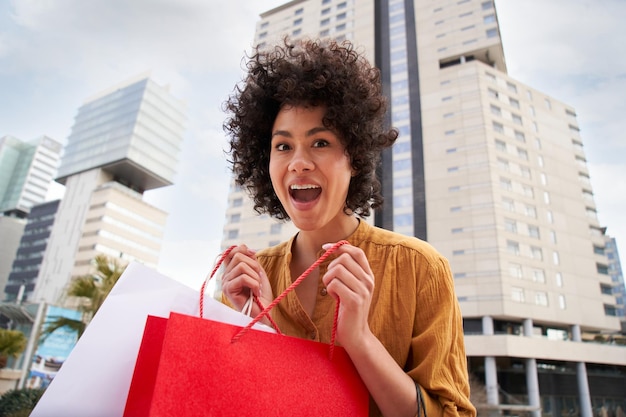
pixel 437 360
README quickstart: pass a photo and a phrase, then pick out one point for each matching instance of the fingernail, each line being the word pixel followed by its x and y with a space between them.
pixel 327 246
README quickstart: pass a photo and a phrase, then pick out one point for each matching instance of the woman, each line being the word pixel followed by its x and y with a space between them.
pixel 306 132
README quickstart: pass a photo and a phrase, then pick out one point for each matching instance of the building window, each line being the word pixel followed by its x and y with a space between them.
pixel 520 136
pixel 495 110
pixel 533 231
pixel 512 87
pixel 598 250
pixel 342 5
pixel 541 298
pixel 539 276
pixel 512 247
pixel 235 218
pixel 508 204
pixel 553 236
pixel 530 211
pixel 536 253
pixel 297 22
pixel 325 21
pixel 546 197
pixel 296 32
pixel 527 190
pixel 602 269
pixel 549 217
pixel 610 310
pixel 522 153
pixel 505 183
pixel 517 294
pixel 556 259
pixel 492 93
pixel 490 18
pixel 606 289
pixel 515 270
pixel 498 127
pixel 275 228
pixel 325 32
pixel 341 16
pixel 503 164
pixel 516 119
pixel 562 305
pixel 514 103
pixel 510 225
pixel 558 278
pixel 500 145
pixel 237 202
pixel 325 11
pixel 233 234
pixel 491 33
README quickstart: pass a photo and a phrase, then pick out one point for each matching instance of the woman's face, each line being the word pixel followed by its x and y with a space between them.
pixel 309 168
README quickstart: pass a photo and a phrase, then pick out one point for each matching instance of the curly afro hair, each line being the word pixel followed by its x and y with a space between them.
pixel 309 73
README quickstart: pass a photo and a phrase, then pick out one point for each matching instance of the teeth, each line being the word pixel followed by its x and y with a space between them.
pixel 303 186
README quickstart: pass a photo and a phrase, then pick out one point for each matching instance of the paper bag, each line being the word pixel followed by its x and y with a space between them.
pixel 203 372
pixel 95 379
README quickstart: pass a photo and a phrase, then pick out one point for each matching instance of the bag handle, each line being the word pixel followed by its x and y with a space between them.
pixel 265 311
pixel 218 263
pixel 297 282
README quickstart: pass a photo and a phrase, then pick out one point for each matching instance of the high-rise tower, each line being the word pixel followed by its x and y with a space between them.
pixel 491 172
pixel 124 141
pixel 27 169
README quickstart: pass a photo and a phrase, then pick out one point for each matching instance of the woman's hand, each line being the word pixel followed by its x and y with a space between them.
pixel 349 278
pixel 244 275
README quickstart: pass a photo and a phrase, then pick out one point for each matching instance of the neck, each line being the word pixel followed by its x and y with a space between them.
pixel 311 241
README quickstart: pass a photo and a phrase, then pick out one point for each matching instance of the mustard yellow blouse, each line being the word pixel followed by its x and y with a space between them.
pixel 414 313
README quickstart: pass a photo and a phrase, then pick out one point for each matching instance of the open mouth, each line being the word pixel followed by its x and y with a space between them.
pixel 303 193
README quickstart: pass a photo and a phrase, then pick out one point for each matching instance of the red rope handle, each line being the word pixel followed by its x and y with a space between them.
pixel 291 288
pixel 218 263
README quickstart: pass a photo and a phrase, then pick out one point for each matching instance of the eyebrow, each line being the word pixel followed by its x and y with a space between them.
pixel 309 132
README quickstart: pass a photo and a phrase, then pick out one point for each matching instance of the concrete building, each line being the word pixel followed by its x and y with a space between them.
pixel 493 173
pixel 124 141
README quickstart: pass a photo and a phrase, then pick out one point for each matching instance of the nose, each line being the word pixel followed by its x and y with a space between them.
pixel 301 160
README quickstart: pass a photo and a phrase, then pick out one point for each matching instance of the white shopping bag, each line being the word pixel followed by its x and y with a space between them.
pixel 95 378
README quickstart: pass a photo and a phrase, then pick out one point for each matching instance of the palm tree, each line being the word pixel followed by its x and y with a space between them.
pixel 12 344
pixel 92 291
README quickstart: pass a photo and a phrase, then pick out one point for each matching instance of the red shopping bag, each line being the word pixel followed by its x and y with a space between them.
pixel 192 366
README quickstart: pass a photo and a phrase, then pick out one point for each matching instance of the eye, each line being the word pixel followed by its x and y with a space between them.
pixel 282 147
pixel 321 143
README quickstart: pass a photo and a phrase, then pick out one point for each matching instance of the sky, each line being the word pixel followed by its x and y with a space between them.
pixel 54 55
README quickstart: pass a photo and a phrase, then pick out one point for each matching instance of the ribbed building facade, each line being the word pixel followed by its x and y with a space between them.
pixel 32 246
pixel 27 168
pixel 493 173
pixel 124 141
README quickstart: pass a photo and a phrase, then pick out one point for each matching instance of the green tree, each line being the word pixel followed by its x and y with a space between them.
pixel 92 290
pixel 12 344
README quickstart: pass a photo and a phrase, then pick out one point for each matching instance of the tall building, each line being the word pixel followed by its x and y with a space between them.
pixel 124 141
pixel 32 246
pixel 27 169
pixel 617 277
pixel 493 173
